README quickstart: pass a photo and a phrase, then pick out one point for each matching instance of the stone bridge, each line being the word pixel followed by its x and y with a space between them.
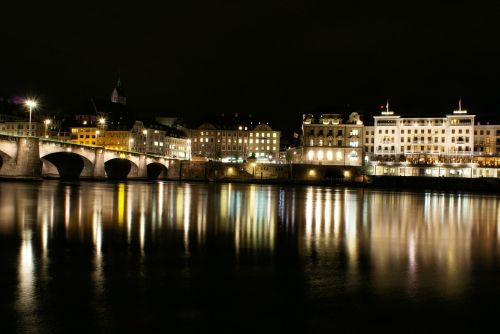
pixel 34 158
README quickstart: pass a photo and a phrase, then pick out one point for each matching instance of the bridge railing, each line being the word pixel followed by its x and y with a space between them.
pixel 14 137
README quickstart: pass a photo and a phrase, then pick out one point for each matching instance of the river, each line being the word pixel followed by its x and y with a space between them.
pixel 102 257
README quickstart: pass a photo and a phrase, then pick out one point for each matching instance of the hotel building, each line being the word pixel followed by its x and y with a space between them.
pixel 328 140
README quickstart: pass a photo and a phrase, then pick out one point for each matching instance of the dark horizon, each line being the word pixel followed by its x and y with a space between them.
pixel 272 60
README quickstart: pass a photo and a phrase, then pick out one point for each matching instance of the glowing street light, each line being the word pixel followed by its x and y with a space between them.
pixel 31 104
pixel 47 123
pixel 101 124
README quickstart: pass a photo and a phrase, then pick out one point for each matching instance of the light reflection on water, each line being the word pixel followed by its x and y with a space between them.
pixel 392 241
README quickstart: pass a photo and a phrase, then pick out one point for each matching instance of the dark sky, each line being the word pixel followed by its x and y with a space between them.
pixel 274 59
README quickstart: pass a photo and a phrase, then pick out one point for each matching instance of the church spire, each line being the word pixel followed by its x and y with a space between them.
pixel 118 96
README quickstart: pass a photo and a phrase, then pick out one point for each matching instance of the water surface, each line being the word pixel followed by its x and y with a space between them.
pixel 165 257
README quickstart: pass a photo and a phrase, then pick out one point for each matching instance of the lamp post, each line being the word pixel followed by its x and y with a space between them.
pixel 145 134
pixel 31 105
pixel 46 122
pixel 102 124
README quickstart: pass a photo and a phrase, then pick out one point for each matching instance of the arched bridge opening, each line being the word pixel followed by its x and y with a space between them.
pixel 119 169
pixel 69 165
pixel 157 171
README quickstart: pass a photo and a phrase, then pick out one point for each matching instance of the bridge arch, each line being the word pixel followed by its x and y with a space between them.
pixel 120 168
pixel 157 171
pixel 69 165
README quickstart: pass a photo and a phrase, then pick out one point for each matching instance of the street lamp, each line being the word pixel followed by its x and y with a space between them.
pixel 31 104
pixel 46 122
pixel 102 124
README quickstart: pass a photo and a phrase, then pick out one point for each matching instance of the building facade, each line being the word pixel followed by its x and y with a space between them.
pixel 424 139
pixel 22 128
pixel 239 143
pixel 328 140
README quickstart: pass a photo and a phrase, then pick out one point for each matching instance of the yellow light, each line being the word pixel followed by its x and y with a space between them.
pixel 310 155
pixel 47 121
pixel 312 172
pixel 253 164
pixel 144 132
pixel 347 174
pixel 122 155
pixel 329 155
pixel 102 120
pixel 320 155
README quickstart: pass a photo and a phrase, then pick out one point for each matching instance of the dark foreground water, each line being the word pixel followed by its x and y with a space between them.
pixel 169 257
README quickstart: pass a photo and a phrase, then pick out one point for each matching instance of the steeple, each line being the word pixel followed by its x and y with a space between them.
pixel 118 96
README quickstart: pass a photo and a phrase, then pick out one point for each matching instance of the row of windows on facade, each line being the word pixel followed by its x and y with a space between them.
pixel 352 133
pixel 320 155
pixel 18 127
pixel 240 134
pixel 422 131
pixel 423 148
pixel 240 148
pixel 320 142
pixel 453 131
pixel 388 140
pixel 240 141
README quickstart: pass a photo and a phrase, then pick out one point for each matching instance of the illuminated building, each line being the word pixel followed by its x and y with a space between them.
pixel 327 140
pixel 22 128
pixel 424 139
pixel 235 143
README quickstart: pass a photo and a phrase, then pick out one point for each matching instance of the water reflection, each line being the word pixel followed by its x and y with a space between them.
pixel 414 243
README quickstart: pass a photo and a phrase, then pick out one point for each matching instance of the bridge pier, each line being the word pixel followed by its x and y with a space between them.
pixel 99 171
pixel 26 164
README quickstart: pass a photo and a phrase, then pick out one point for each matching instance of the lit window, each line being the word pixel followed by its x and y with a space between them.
pixel 310 155
pixel 156 143
pixel 329 155
pixel 339 155
pixel 274 135
pixel 320 155
pixel 251 141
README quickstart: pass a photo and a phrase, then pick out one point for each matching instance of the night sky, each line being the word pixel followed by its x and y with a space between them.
pixel 273 59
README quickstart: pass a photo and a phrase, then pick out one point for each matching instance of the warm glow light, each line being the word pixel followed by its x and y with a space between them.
pixel 320 155
pixel 310 155
pixel 47 121
pixel 329 155
pixel 102 120
pixel 312 172
pixel 339 155
pixel 31 103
